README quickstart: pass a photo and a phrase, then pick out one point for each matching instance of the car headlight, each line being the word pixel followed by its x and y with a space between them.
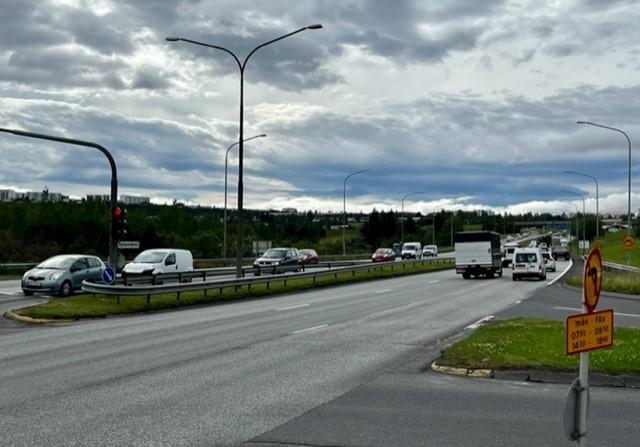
pixel 55 275
pixel 26 274
pixel 276 263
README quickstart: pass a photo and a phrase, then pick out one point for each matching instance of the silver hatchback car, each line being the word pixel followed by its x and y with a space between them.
pixel 62 274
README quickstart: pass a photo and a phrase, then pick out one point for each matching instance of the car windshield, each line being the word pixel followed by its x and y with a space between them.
pixel 381 251
pixel 305 253
pixel 150 257
pixel 57 262
pixel 275 253
pixel 409 247
pixel 526 257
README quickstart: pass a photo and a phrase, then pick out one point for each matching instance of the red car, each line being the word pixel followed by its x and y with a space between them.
pixel 308 256
pixel 383 255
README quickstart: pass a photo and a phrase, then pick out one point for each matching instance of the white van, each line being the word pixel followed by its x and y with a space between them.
pixel 528 262
pixel 160 260
pixel 412 250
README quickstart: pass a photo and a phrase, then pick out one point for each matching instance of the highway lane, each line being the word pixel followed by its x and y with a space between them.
pixel 222 375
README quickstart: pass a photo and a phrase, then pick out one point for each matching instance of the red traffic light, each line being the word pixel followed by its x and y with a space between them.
pixel 116 212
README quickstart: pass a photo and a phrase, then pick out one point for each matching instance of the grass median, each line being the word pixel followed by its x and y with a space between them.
pixel 101 306
pixel 527 343
pixel 628 283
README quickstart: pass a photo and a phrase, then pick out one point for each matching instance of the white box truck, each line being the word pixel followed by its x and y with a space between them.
pixel 478 254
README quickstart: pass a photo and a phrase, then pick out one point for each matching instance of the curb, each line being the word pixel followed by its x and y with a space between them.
pixel 539 376
pixel 21 318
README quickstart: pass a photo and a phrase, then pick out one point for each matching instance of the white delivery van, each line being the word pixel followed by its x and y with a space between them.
pixel 160 260
pixel 412 250
pixel 527 263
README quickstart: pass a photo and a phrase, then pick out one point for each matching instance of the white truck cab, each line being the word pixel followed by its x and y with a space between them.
pixel 160 260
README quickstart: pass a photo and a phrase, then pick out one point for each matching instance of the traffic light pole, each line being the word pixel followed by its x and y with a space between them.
pixel 113 248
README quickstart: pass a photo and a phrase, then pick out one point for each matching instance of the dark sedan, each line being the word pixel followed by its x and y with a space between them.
pixel 383 255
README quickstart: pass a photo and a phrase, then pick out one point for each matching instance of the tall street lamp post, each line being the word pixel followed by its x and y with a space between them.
pixel 344 208
pixel 589 123
pixel 597 199
pixel 241 66
pixel 577 225
pixel 584 216
pixel 402 214
pixel 226 160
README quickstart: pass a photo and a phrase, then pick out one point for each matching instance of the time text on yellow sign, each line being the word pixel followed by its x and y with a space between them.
pixel 589 331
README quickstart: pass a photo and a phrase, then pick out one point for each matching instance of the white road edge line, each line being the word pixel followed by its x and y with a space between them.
pixel 383 291
pixel 479 322
pixel 561 274
pixel 309 329
pixel 298 306
pixel 622 314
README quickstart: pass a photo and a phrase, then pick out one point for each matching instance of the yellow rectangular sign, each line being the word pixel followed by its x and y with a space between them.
pixel 586 332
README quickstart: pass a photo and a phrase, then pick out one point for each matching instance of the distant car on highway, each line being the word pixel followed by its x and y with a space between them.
pixel 549 261
pixel 308 256
pixel 383 255
pixel 430 251
pixel 62 274
pixel 277 259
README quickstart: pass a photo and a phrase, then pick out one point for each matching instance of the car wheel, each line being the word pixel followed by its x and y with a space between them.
pixel 500 273
pixel 65 289
pixel 514 278
pixel 27 292
pixel 466 275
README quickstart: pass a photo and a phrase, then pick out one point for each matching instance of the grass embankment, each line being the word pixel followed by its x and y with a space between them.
pixel 613 251
pixel 100 306
pixel 628 283
pixel 525 343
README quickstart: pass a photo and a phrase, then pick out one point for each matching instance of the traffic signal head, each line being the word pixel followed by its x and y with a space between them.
pixel 119 222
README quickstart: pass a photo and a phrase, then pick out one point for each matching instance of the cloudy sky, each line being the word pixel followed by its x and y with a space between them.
pixel 473 103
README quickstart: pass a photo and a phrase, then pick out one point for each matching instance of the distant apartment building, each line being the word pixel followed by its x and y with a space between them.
pixel 7 195
pixel 98 198
pixel 134 200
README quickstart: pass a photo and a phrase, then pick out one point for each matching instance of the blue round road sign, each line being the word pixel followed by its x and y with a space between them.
pixel 108 276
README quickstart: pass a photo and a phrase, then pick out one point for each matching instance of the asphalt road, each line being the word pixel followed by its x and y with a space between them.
pixel 222 375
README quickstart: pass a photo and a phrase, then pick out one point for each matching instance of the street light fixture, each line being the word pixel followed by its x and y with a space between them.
pixel 226 159
pixel 589 123
pixel 402 214
pixel 344 208
pixel 584 216
pixel 597 199
pixel 241 66
pixel 577 226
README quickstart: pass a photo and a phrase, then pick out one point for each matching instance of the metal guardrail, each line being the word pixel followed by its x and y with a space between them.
pixel 625 268
pixel 131 279
pixel 178 288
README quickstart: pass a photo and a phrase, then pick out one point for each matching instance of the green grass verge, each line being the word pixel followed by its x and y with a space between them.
pixel 613 251
pixel 100 306
pixel 628 283
pixel 526 343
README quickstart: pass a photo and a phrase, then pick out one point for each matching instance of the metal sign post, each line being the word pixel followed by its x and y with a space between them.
pixel 586 332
